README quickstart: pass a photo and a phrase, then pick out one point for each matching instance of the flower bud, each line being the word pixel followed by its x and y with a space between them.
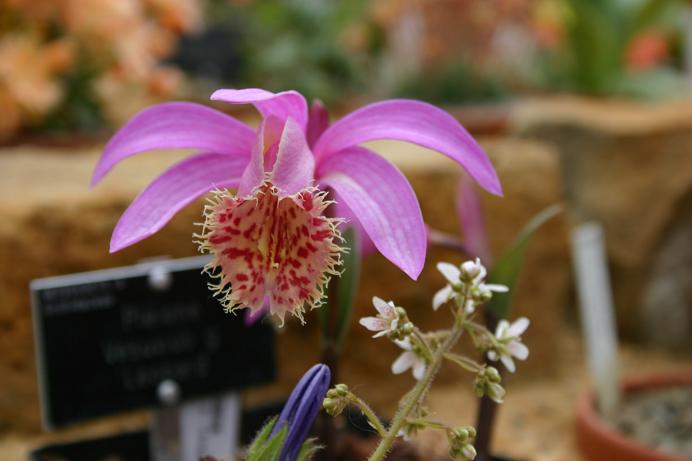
pixel 481 294
pixel 301 409
pixel 468 451
pixel 407 329
pixel 341 389
pixel 470 270
pixel 495 392
pixel 333 407
pixel 492 374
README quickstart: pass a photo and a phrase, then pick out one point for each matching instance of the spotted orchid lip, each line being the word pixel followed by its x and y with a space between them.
pixel 270 247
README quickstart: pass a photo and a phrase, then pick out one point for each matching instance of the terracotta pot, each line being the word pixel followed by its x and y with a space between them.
pixel 598 441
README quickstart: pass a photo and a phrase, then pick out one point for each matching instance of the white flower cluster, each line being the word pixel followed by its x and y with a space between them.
pixel 467 288
pixel 471 274
pixel 508 343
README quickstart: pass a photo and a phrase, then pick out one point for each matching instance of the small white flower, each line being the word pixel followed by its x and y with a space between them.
pixel 493 287
pixel 408 359
pixel 509 338
pixel 386 321
pixel 474 270
pixel 442 296
pixel 450 272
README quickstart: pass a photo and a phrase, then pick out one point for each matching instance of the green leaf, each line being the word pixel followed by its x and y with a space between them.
pixel 264 448
pixel 507 267
pixel 649 14
pixel 261 436
pixel 271 449
pixel 308 450
pixel 347 286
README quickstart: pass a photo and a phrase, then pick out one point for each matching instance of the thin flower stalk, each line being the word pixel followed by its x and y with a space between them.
pixel 419 391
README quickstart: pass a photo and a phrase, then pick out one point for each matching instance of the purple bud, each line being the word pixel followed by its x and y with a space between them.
pixel 301 409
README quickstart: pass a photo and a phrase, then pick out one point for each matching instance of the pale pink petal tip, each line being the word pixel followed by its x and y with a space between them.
pixel 382 199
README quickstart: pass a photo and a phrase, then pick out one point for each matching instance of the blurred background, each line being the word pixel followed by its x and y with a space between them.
pixel 586 103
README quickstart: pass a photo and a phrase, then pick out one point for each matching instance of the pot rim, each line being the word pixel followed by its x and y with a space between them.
pixel 590 425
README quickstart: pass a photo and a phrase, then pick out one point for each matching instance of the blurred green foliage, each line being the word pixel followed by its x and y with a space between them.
pixel 299 44
pixel 598 33
pixel 454 83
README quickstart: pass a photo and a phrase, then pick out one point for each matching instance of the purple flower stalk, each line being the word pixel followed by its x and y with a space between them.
pixel 301 409
pixel 270 240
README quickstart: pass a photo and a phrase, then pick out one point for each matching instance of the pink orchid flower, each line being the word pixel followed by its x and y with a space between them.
pixel 271 241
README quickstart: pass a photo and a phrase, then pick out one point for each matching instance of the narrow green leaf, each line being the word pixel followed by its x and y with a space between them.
pixel 348 283
pixel 271 449
pixel 308 450
pixel 507 267
pixel 261 436
pixel 347 286
pixel 649 14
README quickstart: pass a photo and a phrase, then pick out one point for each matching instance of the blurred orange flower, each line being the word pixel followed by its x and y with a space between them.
pixel 646 51
pixel 29 70
pixel 118 45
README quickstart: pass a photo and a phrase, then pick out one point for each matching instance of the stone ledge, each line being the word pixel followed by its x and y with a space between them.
pixel 53 224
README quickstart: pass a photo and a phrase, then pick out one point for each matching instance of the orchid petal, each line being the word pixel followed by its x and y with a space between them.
pixel 365 245
pixel 472 219
pixel 265 147
pixel 518 327
pixel 173 190
pixel 449 271
pixel 282 105
pixel 317 122
pixel 412 121
pixel 384 202
pixel 253 316
pixel 294 169
pixel 176 125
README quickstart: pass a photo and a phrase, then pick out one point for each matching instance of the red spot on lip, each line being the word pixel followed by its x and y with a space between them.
pixel 307 201
pixel 302 253
pixel 234 252
pixel 218 239
pixel 249 231
pixel 242 277
pixel 321 235
pixel 295 263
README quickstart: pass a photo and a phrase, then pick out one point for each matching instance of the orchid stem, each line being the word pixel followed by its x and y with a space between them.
pixel 486 412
